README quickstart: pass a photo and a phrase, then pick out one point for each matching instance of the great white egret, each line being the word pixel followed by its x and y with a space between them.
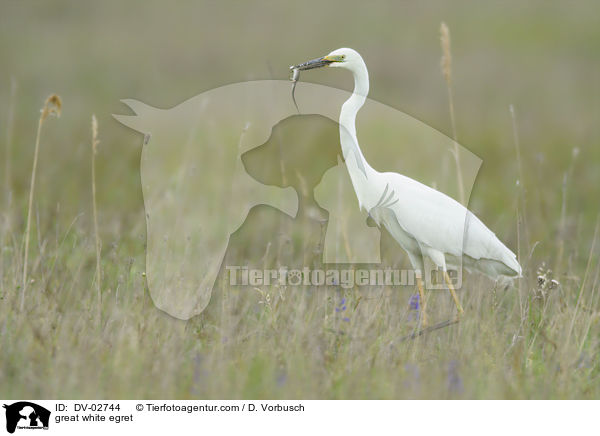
pixel 424 221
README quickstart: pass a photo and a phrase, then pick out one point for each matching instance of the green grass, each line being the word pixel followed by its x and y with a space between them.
pixel 529 340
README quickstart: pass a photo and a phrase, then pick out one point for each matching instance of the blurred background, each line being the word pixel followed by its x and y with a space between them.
pixel 542 57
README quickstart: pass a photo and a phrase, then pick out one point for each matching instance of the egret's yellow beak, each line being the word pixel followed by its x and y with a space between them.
pixel 334 58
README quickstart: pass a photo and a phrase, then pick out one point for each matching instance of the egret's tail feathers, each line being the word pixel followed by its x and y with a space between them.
pixel 516 267
pixel 506 265
pixel 509 259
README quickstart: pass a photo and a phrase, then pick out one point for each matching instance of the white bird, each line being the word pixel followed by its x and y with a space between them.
pixel 425 222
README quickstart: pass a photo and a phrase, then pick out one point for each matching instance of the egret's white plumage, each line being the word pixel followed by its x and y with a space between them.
pixel 425 222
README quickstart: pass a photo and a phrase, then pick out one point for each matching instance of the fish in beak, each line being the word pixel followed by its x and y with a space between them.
pixel 317 63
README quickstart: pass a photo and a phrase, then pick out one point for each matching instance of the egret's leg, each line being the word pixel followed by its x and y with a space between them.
pixel 422 301
pixel 453 292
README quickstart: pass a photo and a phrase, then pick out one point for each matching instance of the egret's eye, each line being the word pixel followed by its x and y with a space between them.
pixel 337 58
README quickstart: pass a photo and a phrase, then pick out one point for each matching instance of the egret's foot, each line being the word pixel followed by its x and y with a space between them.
pixel 454 296
pixel 460 313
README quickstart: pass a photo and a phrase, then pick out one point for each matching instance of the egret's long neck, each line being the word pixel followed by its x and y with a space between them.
pixel 348 113
pixel 359 169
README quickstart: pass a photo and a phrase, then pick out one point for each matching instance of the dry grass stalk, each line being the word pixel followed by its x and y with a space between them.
pixel 9 131
pixel 446 54
pixel 446 64
pixel 52 106
pixel 581 291
pixel 95 143
pixel 520 200
pixel 7 171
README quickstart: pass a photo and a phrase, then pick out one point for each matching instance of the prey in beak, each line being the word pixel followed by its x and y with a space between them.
pixel 317 63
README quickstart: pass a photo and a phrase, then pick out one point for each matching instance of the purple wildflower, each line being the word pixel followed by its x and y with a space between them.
pixel 413 376
pixel 342 308
pixel 455 383
pixel 414 301
pixel 414 305
pixel 281 378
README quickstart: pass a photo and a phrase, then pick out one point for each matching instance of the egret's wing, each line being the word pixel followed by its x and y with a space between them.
pixel 440 222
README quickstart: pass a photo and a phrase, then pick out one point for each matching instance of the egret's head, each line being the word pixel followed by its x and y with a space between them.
pixel 340 58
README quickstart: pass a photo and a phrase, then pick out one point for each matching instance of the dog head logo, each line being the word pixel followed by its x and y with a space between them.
pixel 26 415
pixel 198 190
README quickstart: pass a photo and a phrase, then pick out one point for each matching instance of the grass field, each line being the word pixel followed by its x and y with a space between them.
pixel 534 339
